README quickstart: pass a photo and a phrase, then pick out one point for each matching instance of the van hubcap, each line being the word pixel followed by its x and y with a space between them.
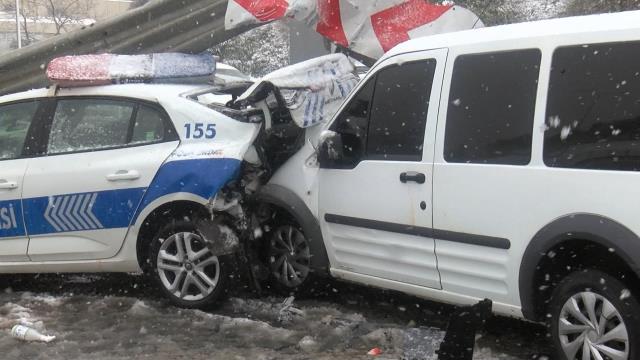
pixel 187 268
pixel 590 327
pixel 290 256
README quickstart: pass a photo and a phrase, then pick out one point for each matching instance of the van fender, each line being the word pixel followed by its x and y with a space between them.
pixel 590 227
pixel 287 200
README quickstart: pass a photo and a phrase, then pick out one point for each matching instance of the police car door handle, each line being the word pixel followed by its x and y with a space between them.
pixel 124 175
pixel 8 185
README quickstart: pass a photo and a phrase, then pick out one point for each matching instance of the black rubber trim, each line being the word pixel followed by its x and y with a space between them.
pixel 588 227
pixel 471 239
pixel 289 201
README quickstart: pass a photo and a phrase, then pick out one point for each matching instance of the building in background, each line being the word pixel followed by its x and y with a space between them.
pixel 41 19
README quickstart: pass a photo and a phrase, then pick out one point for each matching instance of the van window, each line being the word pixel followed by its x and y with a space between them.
pixel 352 125
pixel 491 108
pixel 386 119
pixel 593 111
pixel 399 111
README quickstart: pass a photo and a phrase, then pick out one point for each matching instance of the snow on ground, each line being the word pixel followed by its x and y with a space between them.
pixel 120 317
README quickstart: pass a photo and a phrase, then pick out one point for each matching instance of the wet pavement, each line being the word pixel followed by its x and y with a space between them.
pixel 119 316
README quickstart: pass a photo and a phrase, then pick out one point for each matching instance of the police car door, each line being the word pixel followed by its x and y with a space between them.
pixel 101 155
pixel 15 120
pixel 375 198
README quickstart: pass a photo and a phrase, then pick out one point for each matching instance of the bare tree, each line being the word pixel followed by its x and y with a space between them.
pixel 585 7
pixel 60 12
pixel 27 10
pixel 64 12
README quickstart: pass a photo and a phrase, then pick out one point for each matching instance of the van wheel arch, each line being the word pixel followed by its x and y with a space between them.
pixel 287 201
pixel 567 238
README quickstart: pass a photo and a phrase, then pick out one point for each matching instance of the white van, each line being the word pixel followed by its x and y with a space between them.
pixel 498 163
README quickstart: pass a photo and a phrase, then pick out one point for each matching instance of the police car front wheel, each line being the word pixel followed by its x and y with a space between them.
pixel 186 270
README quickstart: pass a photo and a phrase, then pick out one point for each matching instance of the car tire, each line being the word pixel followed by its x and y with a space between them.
pixel 185 270
pixel 289 260
pixel 595 312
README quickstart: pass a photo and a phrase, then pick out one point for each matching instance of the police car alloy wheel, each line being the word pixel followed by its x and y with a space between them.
pixel 594 316
pixel 185 268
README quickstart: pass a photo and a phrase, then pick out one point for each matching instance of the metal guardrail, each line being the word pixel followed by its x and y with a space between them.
pixel 161 25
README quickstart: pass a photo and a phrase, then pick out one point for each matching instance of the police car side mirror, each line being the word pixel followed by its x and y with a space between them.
pixel 330 149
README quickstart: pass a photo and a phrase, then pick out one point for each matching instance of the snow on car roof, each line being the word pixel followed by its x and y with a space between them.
pixel 150 92
pixel 629 20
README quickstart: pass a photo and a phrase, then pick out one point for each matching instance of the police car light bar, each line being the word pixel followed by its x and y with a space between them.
pixel 85 70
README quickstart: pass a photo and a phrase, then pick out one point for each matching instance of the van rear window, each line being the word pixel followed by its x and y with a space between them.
pixel 491 108
pixel 593 111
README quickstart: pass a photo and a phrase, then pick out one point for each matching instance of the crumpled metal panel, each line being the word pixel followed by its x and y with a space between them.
pixel 190 26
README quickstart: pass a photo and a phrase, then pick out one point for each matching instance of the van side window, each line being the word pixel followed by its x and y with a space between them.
pixel 593 111
pixel 386 120
pixel 399 111
pixel 352 125
pixel 491 108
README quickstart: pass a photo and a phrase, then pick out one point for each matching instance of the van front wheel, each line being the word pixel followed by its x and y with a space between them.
pixel 289 258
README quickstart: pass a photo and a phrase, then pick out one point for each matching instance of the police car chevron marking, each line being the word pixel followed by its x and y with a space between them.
pixel 72 212
pixel 98 210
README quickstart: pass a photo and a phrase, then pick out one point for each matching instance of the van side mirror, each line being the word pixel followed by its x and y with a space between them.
pixel 329 148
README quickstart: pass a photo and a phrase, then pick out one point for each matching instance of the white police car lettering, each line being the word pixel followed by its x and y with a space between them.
pixel 199 131
pixel 8 218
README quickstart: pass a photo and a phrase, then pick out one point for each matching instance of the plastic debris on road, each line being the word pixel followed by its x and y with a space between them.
pixel 83 70
pixel 313 90
pixel 26 333
pixel 288 312
pixel 367 27
pixel 375 352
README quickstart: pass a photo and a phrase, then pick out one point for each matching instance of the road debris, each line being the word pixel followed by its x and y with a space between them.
pixel 288 312
pixel 26 333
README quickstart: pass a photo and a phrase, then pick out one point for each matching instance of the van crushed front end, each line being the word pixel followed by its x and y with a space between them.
pixel 286 106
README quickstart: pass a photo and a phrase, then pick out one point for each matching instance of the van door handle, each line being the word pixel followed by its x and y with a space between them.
pixel 8 185
pixel 413 176
pixel 124 175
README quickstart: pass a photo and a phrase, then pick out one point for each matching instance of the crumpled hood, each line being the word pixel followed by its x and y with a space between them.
pixel 312 90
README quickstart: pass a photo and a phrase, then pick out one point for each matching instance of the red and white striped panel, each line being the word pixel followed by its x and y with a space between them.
pixel 368 27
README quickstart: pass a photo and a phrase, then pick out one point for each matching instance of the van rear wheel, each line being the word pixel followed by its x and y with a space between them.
pixel 594 316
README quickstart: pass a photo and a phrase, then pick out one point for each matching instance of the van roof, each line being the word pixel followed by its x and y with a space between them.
pixel 629 20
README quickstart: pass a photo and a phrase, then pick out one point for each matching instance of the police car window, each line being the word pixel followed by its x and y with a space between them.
pixel 149 126
pixel 399 111
pixel 14 124
pixel 89 124
pixel 491 108
pixel 593 111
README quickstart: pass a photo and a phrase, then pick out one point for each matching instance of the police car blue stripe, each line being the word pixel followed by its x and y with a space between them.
pixel 202 177
pixel 112 209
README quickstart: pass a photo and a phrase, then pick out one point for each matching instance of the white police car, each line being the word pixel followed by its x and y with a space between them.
pixel 113 179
